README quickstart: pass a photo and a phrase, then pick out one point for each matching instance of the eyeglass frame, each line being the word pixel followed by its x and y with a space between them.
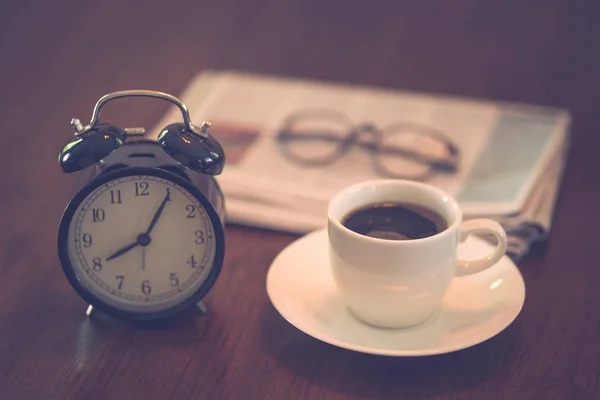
pixel 374 146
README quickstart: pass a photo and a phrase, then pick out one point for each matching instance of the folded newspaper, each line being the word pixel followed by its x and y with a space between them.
pixel 510 164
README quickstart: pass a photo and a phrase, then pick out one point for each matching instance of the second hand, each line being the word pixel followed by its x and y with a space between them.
pixel 143 258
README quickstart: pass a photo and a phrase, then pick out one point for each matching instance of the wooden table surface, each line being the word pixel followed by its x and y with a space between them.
pixel 57 58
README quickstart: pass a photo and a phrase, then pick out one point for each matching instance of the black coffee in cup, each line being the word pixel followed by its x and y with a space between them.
pixel 395 221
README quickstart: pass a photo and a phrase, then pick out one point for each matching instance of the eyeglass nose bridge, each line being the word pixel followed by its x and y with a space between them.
pixel 365 135
pixel 366 127
pixel 365 130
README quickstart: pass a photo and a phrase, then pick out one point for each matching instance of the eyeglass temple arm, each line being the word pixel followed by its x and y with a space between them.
pixel 448 163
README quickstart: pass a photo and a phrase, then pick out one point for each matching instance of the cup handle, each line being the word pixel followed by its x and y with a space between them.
pixel 482 225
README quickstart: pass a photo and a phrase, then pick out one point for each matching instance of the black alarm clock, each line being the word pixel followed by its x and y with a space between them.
pixel 143 237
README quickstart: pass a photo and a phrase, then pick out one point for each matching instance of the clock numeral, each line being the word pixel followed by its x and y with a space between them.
pixel 199 237
pixel 87 240
pixel 120 278
pixel 115 196
pixel 146 289
pixel 191 211
pixel 97 264
pixel 168 195
pixel 174 279
pixel 192 262
pixel 141 188
pixel 98 214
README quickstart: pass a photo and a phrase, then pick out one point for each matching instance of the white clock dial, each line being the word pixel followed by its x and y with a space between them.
pixel 118 261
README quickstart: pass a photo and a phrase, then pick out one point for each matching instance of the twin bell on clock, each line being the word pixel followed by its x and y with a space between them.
pixel 142 238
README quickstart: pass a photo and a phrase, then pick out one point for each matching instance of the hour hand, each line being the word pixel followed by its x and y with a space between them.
pixel 123 250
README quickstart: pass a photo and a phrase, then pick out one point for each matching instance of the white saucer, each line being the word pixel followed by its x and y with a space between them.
pixel 476 308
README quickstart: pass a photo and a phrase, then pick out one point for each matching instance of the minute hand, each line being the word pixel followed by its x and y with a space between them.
pixel 157 214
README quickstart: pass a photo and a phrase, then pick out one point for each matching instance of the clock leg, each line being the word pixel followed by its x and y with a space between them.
pixel 202 307
pixel 91 312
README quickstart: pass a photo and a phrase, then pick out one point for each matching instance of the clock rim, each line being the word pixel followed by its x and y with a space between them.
pixel 93 300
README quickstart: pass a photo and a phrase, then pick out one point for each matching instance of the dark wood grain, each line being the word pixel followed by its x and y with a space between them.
pixel 57 58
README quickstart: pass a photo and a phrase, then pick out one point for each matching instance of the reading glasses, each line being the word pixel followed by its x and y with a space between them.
pixel 320 137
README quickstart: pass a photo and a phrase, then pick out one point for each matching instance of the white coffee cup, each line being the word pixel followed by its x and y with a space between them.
pixel 400 283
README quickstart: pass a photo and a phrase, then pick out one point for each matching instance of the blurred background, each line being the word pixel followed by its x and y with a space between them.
pixel 58 58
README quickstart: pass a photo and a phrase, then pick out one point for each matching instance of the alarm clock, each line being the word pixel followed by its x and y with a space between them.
pixel 143 236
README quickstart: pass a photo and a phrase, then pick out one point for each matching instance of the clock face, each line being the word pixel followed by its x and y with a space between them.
pixel 141 243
